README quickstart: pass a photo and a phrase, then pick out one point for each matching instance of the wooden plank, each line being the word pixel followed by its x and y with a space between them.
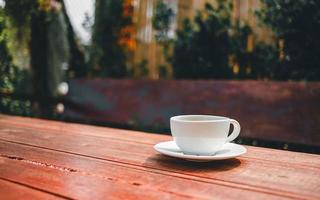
pixel 301 181
pixel 63 127
pixel 74 185
pixel 10 190
pixel 8 123
pixel 137 178
pixel 288 112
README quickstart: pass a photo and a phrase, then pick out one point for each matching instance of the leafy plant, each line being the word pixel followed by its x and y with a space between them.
pixel 43 27
pixel 204 45
pixel 265 61
pixel 296 24
pixel 161 21
pixel 11 77
pixel 202 49
pixel 108 56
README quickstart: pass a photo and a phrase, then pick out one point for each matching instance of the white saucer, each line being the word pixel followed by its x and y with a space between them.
pixel 229 150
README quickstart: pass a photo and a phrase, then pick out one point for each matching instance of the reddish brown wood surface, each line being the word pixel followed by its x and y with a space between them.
pixel 63 160
pixel 12 190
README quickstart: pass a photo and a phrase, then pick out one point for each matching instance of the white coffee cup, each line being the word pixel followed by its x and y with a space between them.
pixel 202 134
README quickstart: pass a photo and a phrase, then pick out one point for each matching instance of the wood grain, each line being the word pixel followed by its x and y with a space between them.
pixel 260 171
pixel 288 112
pixel 75 186
pixel 137 178
pixel 12 124
pixel 10 190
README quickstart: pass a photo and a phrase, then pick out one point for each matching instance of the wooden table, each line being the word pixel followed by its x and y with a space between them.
pixel 41 159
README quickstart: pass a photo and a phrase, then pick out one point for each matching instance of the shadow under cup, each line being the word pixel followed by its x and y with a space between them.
pixel 202 134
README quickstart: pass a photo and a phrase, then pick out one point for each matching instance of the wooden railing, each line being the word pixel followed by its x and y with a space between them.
pixel 272 114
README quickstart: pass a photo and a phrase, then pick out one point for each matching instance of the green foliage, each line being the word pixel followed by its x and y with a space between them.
pixel 42 27
pixel 265 62
pixel 108 56
pixel 239 51
pixel 203 46
pixel 297 22
pixel 143 68
pixel 201 50
pixel 161 21
pixel 12 79
pixel 20 16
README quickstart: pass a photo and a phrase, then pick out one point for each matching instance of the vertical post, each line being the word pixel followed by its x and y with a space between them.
pixel 49 54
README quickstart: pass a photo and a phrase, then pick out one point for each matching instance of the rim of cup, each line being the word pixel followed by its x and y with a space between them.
pixel 206 118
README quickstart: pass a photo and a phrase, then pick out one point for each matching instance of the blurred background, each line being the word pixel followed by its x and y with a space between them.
pixel 135 63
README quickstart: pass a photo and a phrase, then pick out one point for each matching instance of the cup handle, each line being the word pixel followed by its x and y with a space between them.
pixel 235 132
